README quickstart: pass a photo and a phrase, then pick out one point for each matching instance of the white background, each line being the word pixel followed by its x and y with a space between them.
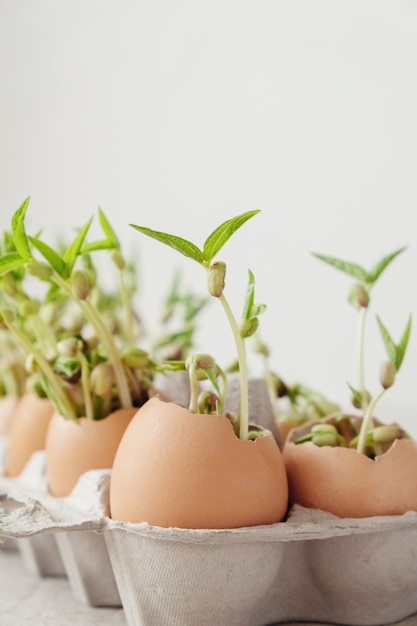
pixel 180 115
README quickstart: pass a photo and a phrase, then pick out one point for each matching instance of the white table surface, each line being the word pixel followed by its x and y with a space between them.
pixel 28 600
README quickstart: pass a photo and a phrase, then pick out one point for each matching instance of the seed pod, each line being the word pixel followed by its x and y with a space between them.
pixel 357 398
pixel 101 379
pixel 9 285
pixel 324 429
pixel 215 279
pixel 358 295
pixel 118 259
pixel 135 358
pixel 387 374
pixel 69 346
pixel 80 285
pixel 200 361
pixel 28 307
pixel 7 315
pixel 249 327
pixel 386 434
pixel 207 403
pixel 40 270
pixel 325 439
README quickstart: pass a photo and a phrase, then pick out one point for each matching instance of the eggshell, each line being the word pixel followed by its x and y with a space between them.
pixel 174 468
pixel 73 448
pixel 27 431
pixel 8 405
pixel 348 484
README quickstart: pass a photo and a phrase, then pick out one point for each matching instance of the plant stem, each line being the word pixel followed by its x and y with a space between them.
pixel 105 336
pixel 65 404
pixel 85 383
pixel 367 421
pixel 128 321
pixel 193 387
pixel 361 356
pixel 243 371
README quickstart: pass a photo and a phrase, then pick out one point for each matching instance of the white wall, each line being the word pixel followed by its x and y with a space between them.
pixel 179 115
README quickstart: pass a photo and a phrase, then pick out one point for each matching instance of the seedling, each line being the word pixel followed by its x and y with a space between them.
pixel 369 439
pixel 216 272
pixel 83 375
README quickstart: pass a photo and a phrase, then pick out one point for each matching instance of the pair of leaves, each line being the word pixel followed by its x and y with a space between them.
pixel 357 271
pixel 61 264
pixel 395 351
pixel 250 309
pixel 214 242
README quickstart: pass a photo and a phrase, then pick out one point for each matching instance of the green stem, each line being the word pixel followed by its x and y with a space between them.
pixel 106 338
pixel 46 370
pixel 367 421
pixel 361 356
pixel 128 321
pixel 243 371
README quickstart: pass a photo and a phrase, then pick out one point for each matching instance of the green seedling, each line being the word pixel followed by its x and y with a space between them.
pixel 367 441
pixel 216 272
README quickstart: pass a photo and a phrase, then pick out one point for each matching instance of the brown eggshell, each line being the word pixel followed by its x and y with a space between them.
pixel 174 468
pixel 8 405
pixel 27 431
pixel 73 448
pixel 348 484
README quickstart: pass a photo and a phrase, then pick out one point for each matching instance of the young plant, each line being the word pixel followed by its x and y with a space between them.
pixel 370 439
pixel 360 297
pixel 216 272
pixel 77 371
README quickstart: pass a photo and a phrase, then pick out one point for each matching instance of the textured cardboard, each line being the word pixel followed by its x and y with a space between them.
pixel 313 567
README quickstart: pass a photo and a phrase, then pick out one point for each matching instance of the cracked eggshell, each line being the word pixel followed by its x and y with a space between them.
pixel 27 431
pixel 73 448
pixel 348 484
pixel 174 468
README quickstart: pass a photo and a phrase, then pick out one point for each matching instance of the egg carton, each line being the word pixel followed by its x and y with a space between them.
pixel 312 567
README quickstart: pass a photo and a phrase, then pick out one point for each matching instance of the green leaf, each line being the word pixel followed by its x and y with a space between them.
pixel 352 269
pixel 53 258
pixel 107 229
pixel 10 261
pixel 74 249
pixel 222 233
pixel 250 297
pixel 402 346
pixel 389 343
pixel 257 309
pixel 383 264
pixel 103 244
pixel 183 246
pixel 67 366
pixel 211 375
pixel 19 233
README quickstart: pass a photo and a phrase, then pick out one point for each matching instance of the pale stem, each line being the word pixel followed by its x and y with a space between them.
pixel 105 336
pixel 360 357
pixel 127 308
pixel 44 335
pixel 243 371
pixel 46 369
pixel 85 383
pixel 193 387
pixel 367 421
